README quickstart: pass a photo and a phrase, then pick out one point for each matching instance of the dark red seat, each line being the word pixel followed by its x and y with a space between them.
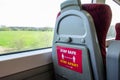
pixel 101 14
pixel 117 28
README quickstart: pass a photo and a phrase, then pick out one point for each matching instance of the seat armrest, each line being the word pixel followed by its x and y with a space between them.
pixel 113 61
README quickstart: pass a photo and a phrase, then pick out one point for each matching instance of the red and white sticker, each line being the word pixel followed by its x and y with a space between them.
pixel 70 58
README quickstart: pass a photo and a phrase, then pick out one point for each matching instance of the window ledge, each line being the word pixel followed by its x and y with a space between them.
pixel 14 63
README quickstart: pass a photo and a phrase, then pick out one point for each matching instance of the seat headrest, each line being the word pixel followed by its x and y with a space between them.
pixel 117 28
pixel 101 14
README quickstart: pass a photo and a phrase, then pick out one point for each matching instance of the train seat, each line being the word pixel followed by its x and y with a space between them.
pixel 117 28
pixel 101 15
pixel 81 29
pixel 113 57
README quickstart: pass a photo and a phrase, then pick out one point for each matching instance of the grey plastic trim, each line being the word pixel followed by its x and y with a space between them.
pixel 113 61
pixel 70 4
pixel 14 63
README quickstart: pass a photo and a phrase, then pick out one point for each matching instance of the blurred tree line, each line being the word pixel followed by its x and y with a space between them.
pixel 17 28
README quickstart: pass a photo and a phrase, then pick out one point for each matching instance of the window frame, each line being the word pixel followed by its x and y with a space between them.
pixel 14 63
pixel 117 1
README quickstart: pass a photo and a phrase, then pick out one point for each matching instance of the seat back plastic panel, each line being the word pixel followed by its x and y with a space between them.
pixel 69 62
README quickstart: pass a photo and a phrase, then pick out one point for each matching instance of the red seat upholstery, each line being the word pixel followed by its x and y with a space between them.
pixel 58 14
pixel 101 14
pixel 117 28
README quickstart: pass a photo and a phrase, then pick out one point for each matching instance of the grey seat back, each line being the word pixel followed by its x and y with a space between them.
pixel 113 57
pixel 113 61
pixel 76 53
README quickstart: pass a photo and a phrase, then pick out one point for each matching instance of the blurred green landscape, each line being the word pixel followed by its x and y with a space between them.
pixel 19 40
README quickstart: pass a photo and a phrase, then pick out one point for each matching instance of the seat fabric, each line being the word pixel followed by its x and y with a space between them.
pixel 102 19
pixel 117 28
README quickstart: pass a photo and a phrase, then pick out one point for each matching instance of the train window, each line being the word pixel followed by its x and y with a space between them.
pixel 86 1
pixel 115 17
pixel 27 24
